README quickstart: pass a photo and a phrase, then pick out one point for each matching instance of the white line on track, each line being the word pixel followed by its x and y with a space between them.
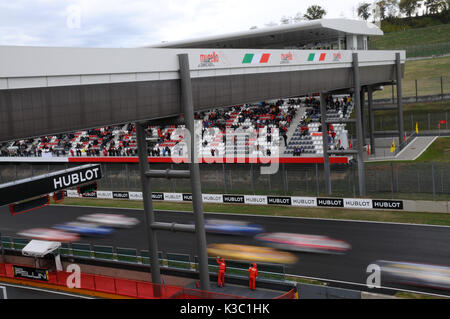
pixel 5 296
pixel 45 290
pixel 268 216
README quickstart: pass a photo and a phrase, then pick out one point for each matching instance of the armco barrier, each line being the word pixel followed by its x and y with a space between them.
pixel 120 287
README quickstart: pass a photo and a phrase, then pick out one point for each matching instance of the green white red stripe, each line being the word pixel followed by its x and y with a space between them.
pixel 317 57
pixel 256 58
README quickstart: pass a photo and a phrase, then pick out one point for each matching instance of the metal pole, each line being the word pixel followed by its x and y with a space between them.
pixel 417 98
pixel 433 181
pixel 359 132
pixel 442 89
pixel 398 72
pixel 371 119
pixel 363 113
pixel 317 180
pixel 326 159
pixel 149 216
pixel 197 199
pixel 392 180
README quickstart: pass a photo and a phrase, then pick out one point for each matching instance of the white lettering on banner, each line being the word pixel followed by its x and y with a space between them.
pixel 177 197
pixel 304 201
pixel 212 198
pixel 75 178
pixel 357 203
pixel 255 200
pixel 135 195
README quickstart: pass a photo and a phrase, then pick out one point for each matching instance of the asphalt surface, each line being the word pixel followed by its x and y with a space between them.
pixel 8 291
pixel 370 241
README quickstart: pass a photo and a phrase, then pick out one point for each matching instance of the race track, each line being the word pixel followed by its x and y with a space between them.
pixel 370 241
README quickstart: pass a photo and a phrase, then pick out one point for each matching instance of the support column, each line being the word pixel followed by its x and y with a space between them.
pixel 197 199
pixel 326 159
pixel 363 115
pixel 371 119
pixel 149 217
pixel 359 133
pixel 398 72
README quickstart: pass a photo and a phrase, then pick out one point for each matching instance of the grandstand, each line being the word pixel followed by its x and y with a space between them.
pixel 265 128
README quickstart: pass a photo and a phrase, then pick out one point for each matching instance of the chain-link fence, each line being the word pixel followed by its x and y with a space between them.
pixel 433 86
pixel 425 121
pixel 383 180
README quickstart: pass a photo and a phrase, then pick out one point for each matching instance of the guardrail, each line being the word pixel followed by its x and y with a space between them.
pixel 125 287
pixel 267 271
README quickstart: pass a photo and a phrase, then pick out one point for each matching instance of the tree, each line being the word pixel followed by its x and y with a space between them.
pixel 435 6
pixel 392 7
pixel 364 10
pixel 409 7
pixel 380 9
pixel 299 17
pixel 315 12
pixel 285 20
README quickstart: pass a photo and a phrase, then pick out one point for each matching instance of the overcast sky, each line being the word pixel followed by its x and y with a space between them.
pixel 135 23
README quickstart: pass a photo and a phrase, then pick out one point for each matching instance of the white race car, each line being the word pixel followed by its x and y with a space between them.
pixel 112 220
pixel 306 243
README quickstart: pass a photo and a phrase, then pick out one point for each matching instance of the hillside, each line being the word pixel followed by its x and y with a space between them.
pixel 433 40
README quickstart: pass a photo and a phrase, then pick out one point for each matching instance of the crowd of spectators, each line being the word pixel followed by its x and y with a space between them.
pixel 120 140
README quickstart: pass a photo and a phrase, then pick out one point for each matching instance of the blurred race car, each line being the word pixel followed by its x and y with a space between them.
pixel 232 227
pixel 84 229
pixel 250 253
pixel 415 274
pixel 306 243
pixel 111 220
pixel 49 234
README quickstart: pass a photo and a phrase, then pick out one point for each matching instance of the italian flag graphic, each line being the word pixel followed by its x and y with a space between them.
pixel 316 57
pixel 256 58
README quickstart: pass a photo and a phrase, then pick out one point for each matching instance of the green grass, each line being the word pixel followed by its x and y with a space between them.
pixel 439 151
pixel 349 214
pixel 428 74
pixel 418 42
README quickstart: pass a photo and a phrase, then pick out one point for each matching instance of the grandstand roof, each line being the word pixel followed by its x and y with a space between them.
pixel 281 36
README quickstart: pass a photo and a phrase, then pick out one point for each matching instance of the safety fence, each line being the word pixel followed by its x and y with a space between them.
pixel 116 286
pixel 290 179
pixel 267 271
pixel 416 88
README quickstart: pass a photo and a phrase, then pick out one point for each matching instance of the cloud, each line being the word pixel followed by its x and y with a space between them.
pixel 135 23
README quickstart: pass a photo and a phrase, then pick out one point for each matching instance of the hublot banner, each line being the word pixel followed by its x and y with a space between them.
pixel 353 203
pixel 330 202
pixel 121 195
pixel 273 200
pixel 233 199
pixel 387 204
pixel 48 183
pixel 158 196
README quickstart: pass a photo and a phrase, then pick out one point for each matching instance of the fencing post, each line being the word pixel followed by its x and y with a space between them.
pixel 392 180
pixel 432 176
pixel 252 179
pixel 317 180
pixel 224 178
pixel 442 89
pixel 417 99
pixel 429 121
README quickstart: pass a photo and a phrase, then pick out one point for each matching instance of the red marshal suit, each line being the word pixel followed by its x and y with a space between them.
pixel 253 273
pixel 222 268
